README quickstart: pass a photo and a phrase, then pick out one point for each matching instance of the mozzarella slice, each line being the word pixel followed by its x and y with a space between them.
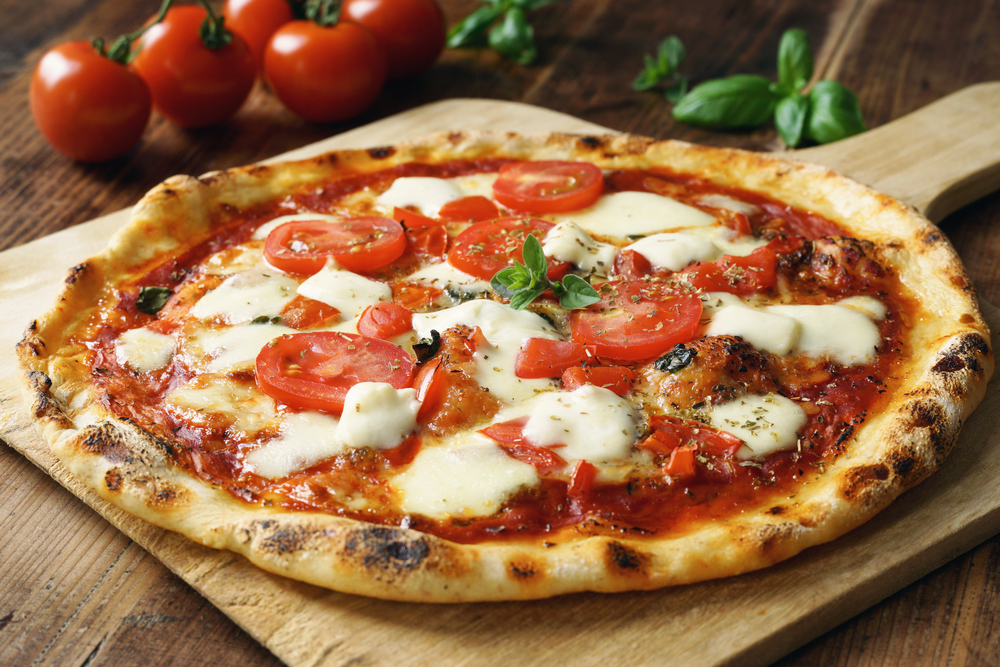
pixel 304 439
pixel 592 423
pixel 144 350
pixel 768 331
pixel 623 214
pixel 443 275
pixel 868 305
pixel 675 252
pixel 427 194
pixel 727 204
pixel 345 290
pixel 567 242
pixel 475 184
pixel 462 479
pixel 377 415
pixel 246 296
pixel 767 424
pixel 269 226
pixel 728 241
pixel 206 399
pixel 842 334
pixel 232 348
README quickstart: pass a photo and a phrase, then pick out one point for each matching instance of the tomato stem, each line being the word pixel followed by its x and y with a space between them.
pixel 325 13
pixel 298 8
pixel 121 49
pixel 213 31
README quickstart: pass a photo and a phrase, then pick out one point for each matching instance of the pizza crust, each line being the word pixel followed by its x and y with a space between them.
pixel 890 453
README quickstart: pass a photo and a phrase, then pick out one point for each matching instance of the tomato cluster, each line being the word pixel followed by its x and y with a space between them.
pixel 196 68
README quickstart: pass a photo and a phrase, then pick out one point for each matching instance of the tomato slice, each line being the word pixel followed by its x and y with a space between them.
pixel 626 325
pixel 546 358
pixel 305 313
pixel 582 482
pixel 742 276
pixel 510 435
pixel 358 244
pixel 669 433
pixel 315 370
pixel 427 236
pixel 430 385
pixel 548 187
pixel 618 379
pixel 469 209
pixel 412 220
pixel 486 247
pixel 385 320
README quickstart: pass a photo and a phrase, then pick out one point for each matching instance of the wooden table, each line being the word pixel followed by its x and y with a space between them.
pixel 79 592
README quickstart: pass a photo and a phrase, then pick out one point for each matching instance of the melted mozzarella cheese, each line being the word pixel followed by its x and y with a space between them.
pixel 144 350
pixel 443 275
pixel 727 204
pixel 462 479
pixel 427 194
pixel 623 214
pixel 377 415
pixel 473 185
pixel 713 302
pixel 207 399
pixel 767 424
pixel 345 290
pixel 675 252
pixel 269 226
pixel 304 439
pixel 842 334
pixel 231 348
pixel 728 241
pixel 771 332
pixel 505 329
pixel 868 305
pixel 593 423
pixel 567 242
pixel 245 296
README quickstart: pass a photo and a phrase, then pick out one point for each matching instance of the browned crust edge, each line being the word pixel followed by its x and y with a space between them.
pixel 889 454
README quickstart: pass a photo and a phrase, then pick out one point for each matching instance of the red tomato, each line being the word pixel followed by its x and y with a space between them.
pixel 739 223
pixel 315 370
pixel 469 209
pixel 410 32
pixel 626 325
pixel 427 236
pixel 193 85
pixel 681 463
pixel 255 21
pixel 618 379
pixel 89 107
pixel 544 460
pixel 582 482
pixel 632 265
pixel 304 313
pixel 486 247
pixel 546 358
pixel 430 384
pixel 548 187
pixel 324 74
pixel 736 275
pixel 668 433
pixel 509 432
pixel 385 320
pixel 358 244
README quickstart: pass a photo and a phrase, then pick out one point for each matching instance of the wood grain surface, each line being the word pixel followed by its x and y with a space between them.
pixel 78 592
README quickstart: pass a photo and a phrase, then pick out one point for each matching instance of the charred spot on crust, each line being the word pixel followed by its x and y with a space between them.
pixel 949 364
pixel 902 463
pixel 77 272
pixel 113 479
pixel 383 548
pixel 964 355
pixel 861 478
pixel 591 142
pixel 625 559
pixel 776 510
pixel 106 440
pixel 771 535
pixel 522 570
pixel 381 152
pixel 961 282
pixel 283 540
pixel 932 238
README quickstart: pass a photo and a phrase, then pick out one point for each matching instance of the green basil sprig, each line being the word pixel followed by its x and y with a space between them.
pixel 512 36
pixel 663 67
pixel 523 283
pixel 829 112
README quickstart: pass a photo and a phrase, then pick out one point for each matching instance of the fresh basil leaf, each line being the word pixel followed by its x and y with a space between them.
pixel 471 31
pixel 649 76
pixel 264 319
pixel 578 292
pixel 521 300
pixel 790 119
pixel 503 282
pixel 514 37
pixel 795 62
pixel 672 53
pixel 677 90
pixel 834 113
pixel 669 56
pixel 152 299
pixel 528 5
pixel 675 359
pixel 743 100
pixel 534 256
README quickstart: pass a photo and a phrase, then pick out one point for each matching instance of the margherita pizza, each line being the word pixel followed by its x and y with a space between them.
pixel 485 367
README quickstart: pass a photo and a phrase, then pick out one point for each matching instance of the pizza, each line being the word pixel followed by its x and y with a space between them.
pixel 484 366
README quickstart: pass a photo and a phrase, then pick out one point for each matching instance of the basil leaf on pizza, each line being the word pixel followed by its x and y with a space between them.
pixel 694 362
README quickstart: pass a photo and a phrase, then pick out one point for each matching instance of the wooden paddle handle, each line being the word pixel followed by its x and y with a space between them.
pixel 937 159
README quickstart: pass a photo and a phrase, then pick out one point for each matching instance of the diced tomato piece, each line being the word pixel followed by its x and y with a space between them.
pixel 413 220
pixel 469 209
pixel 661 442
pixel 430 386
pixel 475 341
pixel 426 236
pixel 547 358
pixel 582 482
pixel 545 460
pixel 709 440
pixel 385 320
pixel 739 223
pixel 619 379
pixel 509 432
pixel 681 463
pixel 305 313
pixel 737 275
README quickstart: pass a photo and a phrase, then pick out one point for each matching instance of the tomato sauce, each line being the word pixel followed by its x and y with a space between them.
pixel 838 399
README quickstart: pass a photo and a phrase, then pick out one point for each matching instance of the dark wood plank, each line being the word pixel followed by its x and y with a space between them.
pixel 83 594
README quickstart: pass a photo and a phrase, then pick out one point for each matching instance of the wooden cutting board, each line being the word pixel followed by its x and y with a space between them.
pixel 937 159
